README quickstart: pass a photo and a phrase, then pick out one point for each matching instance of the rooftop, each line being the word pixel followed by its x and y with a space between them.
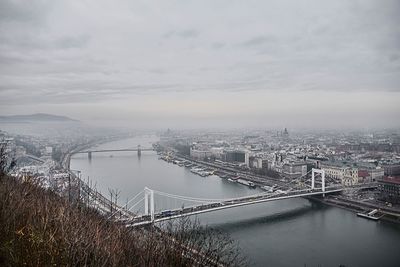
pixel 391 179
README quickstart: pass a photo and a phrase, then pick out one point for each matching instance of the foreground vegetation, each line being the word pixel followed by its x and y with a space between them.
pixel 39 228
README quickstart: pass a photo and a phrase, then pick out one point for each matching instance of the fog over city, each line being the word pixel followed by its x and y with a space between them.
pixel 190 64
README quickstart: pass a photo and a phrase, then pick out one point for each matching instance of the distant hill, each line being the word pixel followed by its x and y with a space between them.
pixel 36 117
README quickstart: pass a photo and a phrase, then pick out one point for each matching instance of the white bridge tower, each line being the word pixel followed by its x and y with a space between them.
pixel 322 172
pixel 149 203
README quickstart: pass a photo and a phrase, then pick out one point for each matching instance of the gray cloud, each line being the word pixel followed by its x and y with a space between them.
pixel 72 42
pixel 218 45
pixel 24 12
pixel 69 52
pixel 189 33
pixel 259 40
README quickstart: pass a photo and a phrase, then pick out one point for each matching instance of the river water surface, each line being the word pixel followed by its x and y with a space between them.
pixel 293 232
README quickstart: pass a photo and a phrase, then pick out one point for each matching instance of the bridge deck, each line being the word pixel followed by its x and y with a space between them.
pixel 232 203
pixel 114 150
pixel 237 202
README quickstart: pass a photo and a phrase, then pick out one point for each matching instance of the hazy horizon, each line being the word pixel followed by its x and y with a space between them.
pixel 183 64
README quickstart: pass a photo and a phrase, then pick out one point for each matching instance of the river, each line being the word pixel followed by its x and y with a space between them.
pixel 293 232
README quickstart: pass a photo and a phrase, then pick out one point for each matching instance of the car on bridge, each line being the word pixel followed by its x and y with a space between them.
pixel 166 213
pixel 186 210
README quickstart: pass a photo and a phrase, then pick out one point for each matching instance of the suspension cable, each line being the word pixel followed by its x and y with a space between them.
pixel 188 198
pixel 136 203
pixel 120 208
pixel 210 200
pixel 135 196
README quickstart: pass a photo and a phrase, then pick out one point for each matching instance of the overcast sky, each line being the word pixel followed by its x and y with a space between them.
pixel 209 63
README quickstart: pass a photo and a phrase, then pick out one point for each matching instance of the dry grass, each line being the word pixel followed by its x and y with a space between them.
pixel 40 228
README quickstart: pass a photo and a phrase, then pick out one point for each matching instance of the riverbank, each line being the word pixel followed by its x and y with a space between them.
pixel 254 178
pixel 390 215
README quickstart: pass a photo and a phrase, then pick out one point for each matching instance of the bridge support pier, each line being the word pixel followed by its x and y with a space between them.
pixel 89 154
pixel 139 151
pixel 149 203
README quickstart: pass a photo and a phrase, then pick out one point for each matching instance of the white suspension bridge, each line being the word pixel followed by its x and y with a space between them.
pixel 146 211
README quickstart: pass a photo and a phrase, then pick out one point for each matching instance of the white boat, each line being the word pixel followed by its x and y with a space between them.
pixel 198 171
pixel 372 215
pixel 245 182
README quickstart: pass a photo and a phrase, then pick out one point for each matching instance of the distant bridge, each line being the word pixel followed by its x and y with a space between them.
pixel 139 149
pixel 34 158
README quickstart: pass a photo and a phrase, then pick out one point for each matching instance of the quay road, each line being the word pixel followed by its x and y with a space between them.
pixel 364 205
pixel 259 179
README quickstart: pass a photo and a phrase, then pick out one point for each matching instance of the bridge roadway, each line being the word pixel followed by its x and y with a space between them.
pixel 226 204
pixel 237 202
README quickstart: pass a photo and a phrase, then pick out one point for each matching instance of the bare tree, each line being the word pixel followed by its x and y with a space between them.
pixel 7 162
pixel 185 242
pixel 114 196
pixel 40 228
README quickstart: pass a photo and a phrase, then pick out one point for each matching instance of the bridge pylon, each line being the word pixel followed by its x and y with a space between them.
pixel 149 202
pixel 139 151
pixel 322 172
pixel 89 155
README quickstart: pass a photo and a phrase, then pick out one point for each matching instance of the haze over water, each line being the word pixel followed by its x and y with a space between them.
pixel 293 232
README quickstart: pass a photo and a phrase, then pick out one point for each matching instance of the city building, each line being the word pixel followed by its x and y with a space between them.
pixel 292 170
pixel 236 156
pixel 389 188
pixel 285 133
pixel 315 161
pixel 256 162
pixel 200 154
pixel 392 169
pixel 363 176
pixel 48 150
pixel 369 172
pixel 376 173
pixel 346 174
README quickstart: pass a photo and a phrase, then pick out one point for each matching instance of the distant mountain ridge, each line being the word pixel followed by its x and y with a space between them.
pixel 36 117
